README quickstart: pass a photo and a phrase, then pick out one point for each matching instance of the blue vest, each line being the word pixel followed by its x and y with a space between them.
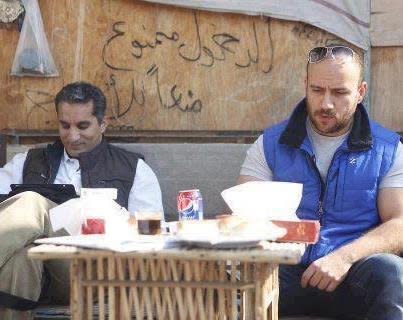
pixel 345 204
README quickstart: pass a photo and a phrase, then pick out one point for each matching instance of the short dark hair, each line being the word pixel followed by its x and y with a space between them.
pixel 83 92
pixel 357 58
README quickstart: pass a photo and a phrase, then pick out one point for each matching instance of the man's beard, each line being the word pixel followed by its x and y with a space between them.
pixel 339 125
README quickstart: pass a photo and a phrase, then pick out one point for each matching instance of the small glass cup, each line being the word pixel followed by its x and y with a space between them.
pixel 148 223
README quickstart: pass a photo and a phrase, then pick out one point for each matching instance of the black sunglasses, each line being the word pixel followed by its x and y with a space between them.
pixel 320 53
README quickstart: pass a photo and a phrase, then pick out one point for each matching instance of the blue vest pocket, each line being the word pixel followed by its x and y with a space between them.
pixel 364 199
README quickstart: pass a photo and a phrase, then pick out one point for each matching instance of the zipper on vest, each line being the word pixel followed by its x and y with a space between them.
pixel 320 210
pixel 322 190
pixel 327 175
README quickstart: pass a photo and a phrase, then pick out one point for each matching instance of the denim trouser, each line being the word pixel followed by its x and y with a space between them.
pixel 373 290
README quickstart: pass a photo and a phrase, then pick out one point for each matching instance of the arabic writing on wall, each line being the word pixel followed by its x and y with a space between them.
pixel 165 68
pixel 203 50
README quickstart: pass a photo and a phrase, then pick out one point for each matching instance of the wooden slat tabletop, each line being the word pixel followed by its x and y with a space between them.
pixel 272 252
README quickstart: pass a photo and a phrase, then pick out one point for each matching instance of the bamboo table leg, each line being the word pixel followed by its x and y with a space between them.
pixel 76 297
pixel 247 313
pixel 273 311
pixel 266 292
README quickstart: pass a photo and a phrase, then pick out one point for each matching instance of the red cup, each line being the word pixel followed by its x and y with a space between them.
pixel 93 226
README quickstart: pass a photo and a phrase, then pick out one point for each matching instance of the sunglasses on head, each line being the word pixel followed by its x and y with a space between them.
pixel 320 53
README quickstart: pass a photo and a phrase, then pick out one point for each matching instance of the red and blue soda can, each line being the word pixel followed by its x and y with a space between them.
pixel 190 205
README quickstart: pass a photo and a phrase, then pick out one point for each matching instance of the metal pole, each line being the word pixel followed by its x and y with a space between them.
pixel 367 78
pixel 3 149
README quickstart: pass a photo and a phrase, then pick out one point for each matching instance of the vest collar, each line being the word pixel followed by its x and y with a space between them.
pixel 360 137
pixel 54 153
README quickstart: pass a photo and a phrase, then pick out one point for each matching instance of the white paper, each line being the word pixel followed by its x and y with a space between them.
pixel 114 243
pixel 71 214
pixel 107 193
pixel 67 215
pixel 271 234
pixel 264 200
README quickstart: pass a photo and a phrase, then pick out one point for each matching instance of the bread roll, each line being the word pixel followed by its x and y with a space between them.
pixel 230 224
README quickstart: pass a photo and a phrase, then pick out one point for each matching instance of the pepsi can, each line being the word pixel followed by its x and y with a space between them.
pixel 190 205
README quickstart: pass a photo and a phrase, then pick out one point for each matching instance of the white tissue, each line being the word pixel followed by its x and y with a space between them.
pixel 66 215
pixel 264 199
pixel 71 214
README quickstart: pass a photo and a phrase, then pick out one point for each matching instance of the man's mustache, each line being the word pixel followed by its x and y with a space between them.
pixel 324 112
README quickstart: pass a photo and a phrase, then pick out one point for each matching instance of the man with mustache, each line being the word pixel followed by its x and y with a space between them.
pixel 80 157
pixel 351 169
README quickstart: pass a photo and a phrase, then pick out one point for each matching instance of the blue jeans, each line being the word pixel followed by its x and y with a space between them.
pixel 373 290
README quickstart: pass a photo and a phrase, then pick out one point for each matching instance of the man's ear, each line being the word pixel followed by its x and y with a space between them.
pixel 362 89
pixel 104 124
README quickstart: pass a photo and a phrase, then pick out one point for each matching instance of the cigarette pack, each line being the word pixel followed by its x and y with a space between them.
pixel 306 231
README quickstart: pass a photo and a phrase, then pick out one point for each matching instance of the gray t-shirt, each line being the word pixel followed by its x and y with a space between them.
pixel 324 148
pixel 255 164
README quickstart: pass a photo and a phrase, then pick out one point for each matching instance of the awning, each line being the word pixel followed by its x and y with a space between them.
pixel 348 19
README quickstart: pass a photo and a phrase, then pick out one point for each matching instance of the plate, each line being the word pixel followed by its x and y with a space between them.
pixel 219 242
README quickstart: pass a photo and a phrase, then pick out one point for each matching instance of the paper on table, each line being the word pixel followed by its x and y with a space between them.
pixel 118 243
pixel 67 215
pixel 71 214
pixel 264 199
pixel 106 193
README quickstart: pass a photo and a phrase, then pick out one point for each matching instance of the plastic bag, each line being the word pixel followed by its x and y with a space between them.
pixel 33 57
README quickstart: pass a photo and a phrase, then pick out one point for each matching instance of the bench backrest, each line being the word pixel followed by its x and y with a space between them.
pixel 210 167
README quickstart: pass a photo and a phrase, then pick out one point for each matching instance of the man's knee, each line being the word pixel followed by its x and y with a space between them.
pixel 34 197
pixel 28 199
pixel 31 195
pixel 385 271
pixel 389 265
pixel 25 196
pixel 23 218
pixel 25 210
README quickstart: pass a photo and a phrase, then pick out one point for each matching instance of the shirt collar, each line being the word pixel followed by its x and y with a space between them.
pixel 68 160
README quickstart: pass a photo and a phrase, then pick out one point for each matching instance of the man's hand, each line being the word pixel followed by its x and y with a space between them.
pixel 326 273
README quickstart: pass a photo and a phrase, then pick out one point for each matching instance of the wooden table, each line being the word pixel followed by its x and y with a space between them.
pixel 175 283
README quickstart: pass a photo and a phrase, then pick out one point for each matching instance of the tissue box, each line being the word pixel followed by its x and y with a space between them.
pixel 306 231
